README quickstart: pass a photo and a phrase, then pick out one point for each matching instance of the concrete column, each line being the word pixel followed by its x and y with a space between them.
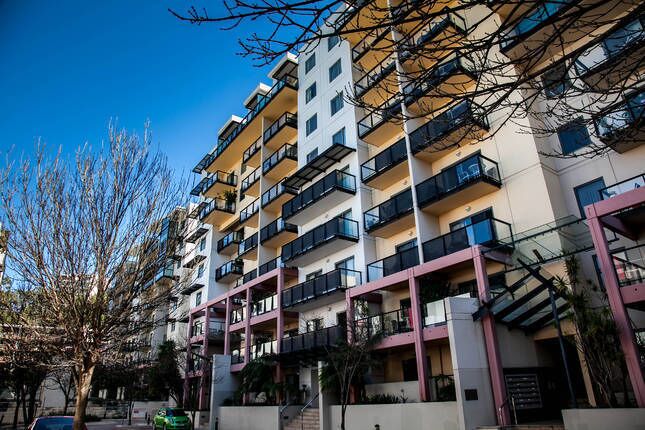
pixel 419 344
pixel 227 321
pixel 490 335
pixel 621 317
pixel 204 386
pixel 247 327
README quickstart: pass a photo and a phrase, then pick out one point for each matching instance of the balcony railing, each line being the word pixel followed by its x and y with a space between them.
pixel 433 313
pixel 233 267
pixel 276 227
pixel 330 282
pixel 375 75
pixel 233 238
pixel 486 232
pixel 250 210
pixel 217 204
pixel 276 191
pixel 264 349
pixel 336 228
pixel 287 119
pixel 248 244
pixel 622 117
pixel 286 151
pixel 238 315
pixel 264 305
pixel 366 43
pixel 464 113
pixel 389 110
pixel 334 181
pixel 432 30
pixel 271 265
pixel 216 329
pixel 384 160
pixel 473 169
pixel 629 265
pixel 384 324
pixel 393 264
pixel 622 187
pixel 388 211
pixel 253 149
pixel 237 356
pixel 220 177
pixel 248 277
pixel 533 21
pixel 318 339
pixel 250 180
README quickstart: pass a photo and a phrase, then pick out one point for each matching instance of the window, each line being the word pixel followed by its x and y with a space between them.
pixel 335 70
pixel 588 193
pixel 346 264
pixel 172 326
pixel 200 271
pixel 410 244
pixel 198 298
pixel 313 275
pixel 332 41
pixel 202 244
pixel 311 125
pixel 338 137
pixel 310 63
pixel 337 103
pixel 310 93
pixel 556 81
pixel 313 154
pixel 573 136
pixel 315 324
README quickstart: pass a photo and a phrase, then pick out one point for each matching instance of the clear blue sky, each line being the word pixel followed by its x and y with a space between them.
pixel 68 66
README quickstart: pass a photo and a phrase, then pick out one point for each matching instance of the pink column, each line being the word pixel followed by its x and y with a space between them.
pixel 280 318
pixel 621 317
pixel 247 327
pixel 188 356
pixel 490 335
pixel 204 386
pixel 227 320
pixel 419 344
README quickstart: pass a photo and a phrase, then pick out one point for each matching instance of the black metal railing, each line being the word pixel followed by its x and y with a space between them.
pixel 486 232
pixel 287 119
pixel 473 169
pixel 384 324
pixel 234 237
pixel 318 339
pixel 276 191
pixel 233 267
pixel 262 349
pixel 384 160
pixel 388 211
pixel 389 110
pixel 253 149
pixel 250 180
pixel 250 210
pixel 375 75
pixel 336 228
pixel 217 204
pixel 286 151
pixel 621 187
pixel 621 117
pixel 275 228
pixel 334 181
pixel 220 177
pixel 534 20
pixel 336 280
pixel 247 244
pixel 366 43
pixel 265 305
pixel 394 263
pixel 428 32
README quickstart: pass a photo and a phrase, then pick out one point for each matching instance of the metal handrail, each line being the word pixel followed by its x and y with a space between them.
pixel 302 410
pixel 506 404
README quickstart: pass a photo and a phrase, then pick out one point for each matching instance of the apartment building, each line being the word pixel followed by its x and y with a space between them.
pixel 415 227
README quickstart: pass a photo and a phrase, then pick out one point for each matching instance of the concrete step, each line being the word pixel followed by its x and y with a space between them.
pixel 524 427
pixel 308 421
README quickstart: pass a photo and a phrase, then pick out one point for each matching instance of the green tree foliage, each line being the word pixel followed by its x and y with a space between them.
pixel 164 376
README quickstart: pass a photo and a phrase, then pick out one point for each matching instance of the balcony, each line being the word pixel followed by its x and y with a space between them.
pixel 434 313
pixel 313 343
pixel 273 199
pixel 264 349
pixel 373 42
pixel 247 277
pixel 320 242
pixel 328 192
pixel 488 232
pixel 264 306
pixel 281 162
pixel 323 161
pixel 455 127
pixel 216 211
pixel 218 182
pixel 193 259
pixel 629 264
pixel 458 185
pixel 393 264
pixel 622 127
pixel 226 245
pixel 622 187
pixel 439 85
pixel 248 248
pixel 251 155
pixel 383 124
pixel 230 271
pixel 277 233
pixel 238 315
pixel 237 356
pixel 283 129
pixel 249 215
pixel 387 167
pixel 320 291
pixel 251 184
pixel 380 76
pixel 390 217
pixel 270 265
pixel 384 324
pixel 196 233
pixel 216 330
pixel 615 58
pixel 190 287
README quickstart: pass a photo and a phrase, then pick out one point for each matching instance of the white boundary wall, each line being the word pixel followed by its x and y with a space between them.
pixel 408 416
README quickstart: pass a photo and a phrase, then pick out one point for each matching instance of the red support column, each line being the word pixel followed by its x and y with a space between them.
pixel 349 311
pixel 227 320
pixel 188 357
pixel 419 344
pixel 279 322
pixel 490 335
pixel 621 317
pixel 247 327
pixel 204 385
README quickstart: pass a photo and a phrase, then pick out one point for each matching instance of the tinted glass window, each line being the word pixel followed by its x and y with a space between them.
pixel 310 93
pixel 311 124
pixel 335 70
pixel 338 137
pixel 337 103
pixel 310 63
pixel 573 136
pixel 332 41
pixel 176 413
pixel 58 423
pixel 312 155
pixel 588 193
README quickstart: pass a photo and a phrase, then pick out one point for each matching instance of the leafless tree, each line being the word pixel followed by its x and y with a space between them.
pixel 88 242
pixel 537 64
pixel 62 379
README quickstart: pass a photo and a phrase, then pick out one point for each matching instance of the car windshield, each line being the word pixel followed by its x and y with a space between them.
pixel 175 413
pixel 56 423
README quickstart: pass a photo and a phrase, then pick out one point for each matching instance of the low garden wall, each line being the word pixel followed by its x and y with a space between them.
pixel 603 419
pixel 249 418
pixel 408 416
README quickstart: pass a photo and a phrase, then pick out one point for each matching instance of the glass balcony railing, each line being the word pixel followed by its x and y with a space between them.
pixel 248 277
pixel 336 228
pixel 271 265
pixel 464 113
pixel 629 265
pixel 237 356
pixel 433 313
pixel 238 315
pixel 275 228
pixel 486 232
pixel 216 204
pixel 330 282
pixel 216 329
pixel 250 180
pixel 287 119
pixel 393 264
pixel 473 169
pixel 429 31
pixel 233 267
pixel 286 151
pixel 220 177
pixel 622 117
pixel 533 21
pixel 334 181
pixel 264 349
pixel 265 305
pixel 318 339
pixel 388 211
pixel 253 149
pixel 250 210
pixel 233 238
pixel 368 42
pixel 384 324
pixel 390 110
pixel 276 191
pixel 375 75
pixel 611 47
pixel 248 244
pixel 384 160
pixel 622 187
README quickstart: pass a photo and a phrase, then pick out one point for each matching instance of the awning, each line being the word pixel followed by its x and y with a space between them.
pixel 318 165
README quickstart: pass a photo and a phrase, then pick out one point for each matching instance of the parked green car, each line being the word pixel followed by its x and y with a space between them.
pixel 171 419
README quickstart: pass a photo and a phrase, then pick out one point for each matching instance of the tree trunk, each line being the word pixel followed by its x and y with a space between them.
pixel 83 385
pixel 16 411
pixel 66 403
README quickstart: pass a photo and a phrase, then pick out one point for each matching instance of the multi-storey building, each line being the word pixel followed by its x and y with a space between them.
pixel 415 227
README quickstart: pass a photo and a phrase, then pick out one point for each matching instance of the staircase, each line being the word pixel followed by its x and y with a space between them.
pixel 310 420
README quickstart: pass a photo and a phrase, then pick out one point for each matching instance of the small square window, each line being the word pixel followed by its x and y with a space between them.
pixel 337 103
pixel 332 41
pixel 310 63
pixel 338 137
pixel 335 70
pixel 556 81
pixel 311 125
pixel 313 154
pixel 310 93
pixel 573 136
pixel 588 193
pixel 202 244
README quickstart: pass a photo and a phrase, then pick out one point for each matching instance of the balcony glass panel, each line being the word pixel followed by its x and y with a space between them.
pixel 271 265
pixel 233 267
pixel 238 315
pixel 285 151
pixel 384 160
pixel 276 191
pixel 393 264
pixel 375 75
pixel 250 210
pixel 336 180
pixel 287 119
pixel 276 227
pixel 622 117
pixel 234 237
pixel 253 149
pixel 216 204
pixel 389 210
pixel 622 187
pixel 250 180
pixel 237 356
pixel 264 305
pixel 264 349
pixel 221 178
pixel 384 324
pixel 533 21
pixel 390 110
pixel 320 339
pixel 629 265
pixel 434 313
pixel 336 228
pixel 248 244
pixel 339 279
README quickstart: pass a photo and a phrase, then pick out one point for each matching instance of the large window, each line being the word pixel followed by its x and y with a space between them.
pixel 588 193
pixel 573 136
pixel 335 70
pixel 310 62
pixel 310 93
pixel 338 137
pixel 311 125
pixel 337 103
